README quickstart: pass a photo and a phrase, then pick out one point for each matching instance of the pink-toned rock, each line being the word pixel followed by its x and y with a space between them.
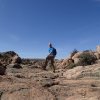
pixel 73 73
pixel 98 49
pixel 76 60
pixel 28 94
pixel 65 63
pixel 97 55
pixel 77 55
pixel 16 59
pixel 9 57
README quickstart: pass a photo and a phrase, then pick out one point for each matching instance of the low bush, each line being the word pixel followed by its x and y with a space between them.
pixel 71 65
pixel 87 59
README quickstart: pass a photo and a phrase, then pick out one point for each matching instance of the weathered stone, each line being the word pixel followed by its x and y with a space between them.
pixel 97 55
pixel 2 70
pixel 77 55
pixel 73 73
pixel 17 66
pixel 16 59
pixel 9 57
pixel 98 49
pixel 76 60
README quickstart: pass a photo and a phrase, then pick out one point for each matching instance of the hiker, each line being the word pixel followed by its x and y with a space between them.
pixel 50 57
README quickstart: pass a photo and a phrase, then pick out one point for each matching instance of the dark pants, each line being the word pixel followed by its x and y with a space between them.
pixel 50 58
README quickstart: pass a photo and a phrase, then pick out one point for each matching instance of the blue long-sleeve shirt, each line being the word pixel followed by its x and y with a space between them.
pixel 50 50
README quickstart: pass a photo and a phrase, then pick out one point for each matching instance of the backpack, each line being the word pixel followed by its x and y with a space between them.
pixel 54 51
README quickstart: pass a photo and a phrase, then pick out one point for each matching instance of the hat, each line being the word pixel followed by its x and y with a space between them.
pixel 50 44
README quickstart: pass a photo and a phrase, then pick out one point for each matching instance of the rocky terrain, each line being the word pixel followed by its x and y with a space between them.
pixel 24 79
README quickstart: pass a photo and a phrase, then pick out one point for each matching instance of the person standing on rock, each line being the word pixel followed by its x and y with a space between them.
pixel 50 57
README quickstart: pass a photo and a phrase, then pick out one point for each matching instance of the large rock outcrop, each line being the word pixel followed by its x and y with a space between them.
pixel 9 57
pixel 75 58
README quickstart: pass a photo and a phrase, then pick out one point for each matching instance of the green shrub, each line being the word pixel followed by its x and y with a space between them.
pixel 71 65
pixel 87 59
pixel 87 51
